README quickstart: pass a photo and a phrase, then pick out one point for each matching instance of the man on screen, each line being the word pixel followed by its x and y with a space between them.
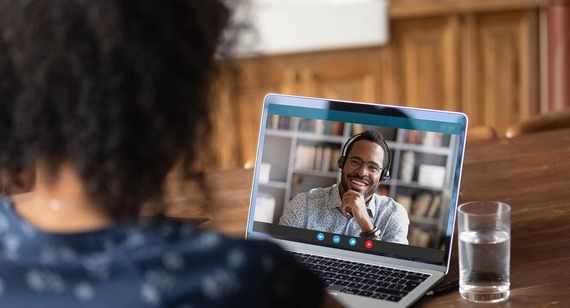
pixel 353 207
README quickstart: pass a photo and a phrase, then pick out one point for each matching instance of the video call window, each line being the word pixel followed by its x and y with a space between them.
pixel 300 154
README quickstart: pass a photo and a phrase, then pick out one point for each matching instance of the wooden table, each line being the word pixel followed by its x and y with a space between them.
pixel 531 173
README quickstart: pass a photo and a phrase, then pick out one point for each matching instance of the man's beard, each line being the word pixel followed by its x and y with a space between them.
pixel 344 184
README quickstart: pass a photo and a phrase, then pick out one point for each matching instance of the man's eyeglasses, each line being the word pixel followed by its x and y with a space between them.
pixel 372 167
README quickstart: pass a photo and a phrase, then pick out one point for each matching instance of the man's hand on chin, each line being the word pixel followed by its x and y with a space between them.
pixel 353 203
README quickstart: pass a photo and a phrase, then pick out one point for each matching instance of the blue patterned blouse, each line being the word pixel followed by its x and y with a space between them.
pixel 146 264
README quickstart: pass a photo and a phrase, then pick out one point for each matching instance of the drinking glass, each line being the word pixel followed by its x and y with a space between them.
pixel 484 251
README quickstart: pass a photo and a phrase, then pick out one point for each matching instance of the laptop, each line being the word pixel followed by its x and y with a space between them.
pixel 300 142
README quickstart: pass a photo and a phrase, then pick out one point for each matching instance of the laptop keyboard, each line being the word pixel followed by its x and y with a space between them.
pixel 362 279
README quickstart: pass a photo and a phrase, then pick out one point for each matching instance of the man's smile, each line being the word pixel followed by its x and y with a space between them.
pixel 359 182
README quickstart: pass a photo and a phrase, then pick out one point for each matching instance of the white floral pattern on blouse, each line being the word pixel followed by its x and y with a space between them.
pixel 146 264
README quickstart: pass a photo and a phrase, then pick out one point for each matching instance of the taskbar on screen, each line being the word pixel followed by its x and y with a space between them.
pixel 354 243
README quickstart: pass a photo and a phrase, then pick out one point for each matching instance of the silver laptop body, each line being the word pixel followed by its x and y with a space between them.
pixel 300 140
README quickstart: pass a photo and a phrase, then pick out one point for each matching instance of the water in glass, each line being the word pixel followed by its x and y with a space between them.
pixel 484 263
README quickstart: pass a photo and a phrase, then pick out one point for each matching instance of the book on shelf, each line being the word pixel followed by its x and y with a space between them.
pixel 273 121
pixel 305 156
pixel 413 137
pixel 434 206
pixel 321 127
pixel 431 176
pixel 432 139
pixel 335 128
pixel 407 166
pixel 357 129
pixel 278 122
pixel 335 155
pixel 326 159
pixel 284 123
pixel 421 204
pixel 405 201
pixel 425 138
pixel 425 204
pixel 306 125
pixel 264 208
pixel 315 157
pixel 320 158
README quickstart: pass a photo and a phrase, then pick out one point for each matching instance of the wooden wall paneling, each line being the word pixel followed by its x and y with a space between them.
pixel 469 68
pixel 558 49
pixel 249 114
pixel 345 75
pixel 224 137
pixel 425 51
pixel 255 78
pixel 285 71
pixel 290 83
pixel 387 91
pixel 505 82
pixel 530 59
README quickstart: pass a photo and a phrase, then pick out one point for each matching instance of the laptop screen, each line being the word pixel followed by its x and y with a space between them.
pixel 300 143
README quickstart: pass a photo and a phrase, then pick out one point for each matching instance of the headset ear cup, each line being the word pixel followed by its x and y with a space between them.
pixel 341 161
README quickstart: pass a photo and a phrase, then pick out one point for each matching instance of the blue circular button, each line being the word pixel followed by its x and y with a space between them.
pixel 352 241
pixel 320 236
pixel 336 239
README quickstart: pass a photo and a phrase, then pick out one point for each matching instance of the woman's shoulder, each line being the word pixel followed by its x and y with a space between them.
pixel 217 268
pixel 185 243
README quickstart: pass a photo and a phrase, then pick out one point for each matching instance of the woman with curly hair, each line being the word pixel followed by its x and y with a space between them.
pixel 101 99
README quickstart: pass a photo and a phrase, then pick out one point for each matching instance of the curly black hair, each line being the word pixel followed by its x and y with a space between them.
pixel 118 88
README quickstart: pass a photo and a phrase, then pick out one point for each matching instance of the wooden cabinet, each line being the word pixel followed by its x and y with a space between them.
pixel 426 60
pixel 480 57
pixel 501 76
pixel 483 64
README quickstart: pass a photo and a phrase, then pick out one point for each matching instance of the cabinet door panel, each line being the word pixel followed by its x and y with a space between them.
pixel 504 68
pixel 224 119
pixel 346 77
pixel 425 53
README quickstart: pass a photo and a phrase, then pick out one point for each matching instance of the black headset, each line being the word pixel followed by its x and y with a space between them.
pixel 385 173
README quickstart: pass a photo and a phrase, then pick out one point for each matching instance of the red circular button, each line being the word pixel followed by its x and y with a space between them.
pixel 368 244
